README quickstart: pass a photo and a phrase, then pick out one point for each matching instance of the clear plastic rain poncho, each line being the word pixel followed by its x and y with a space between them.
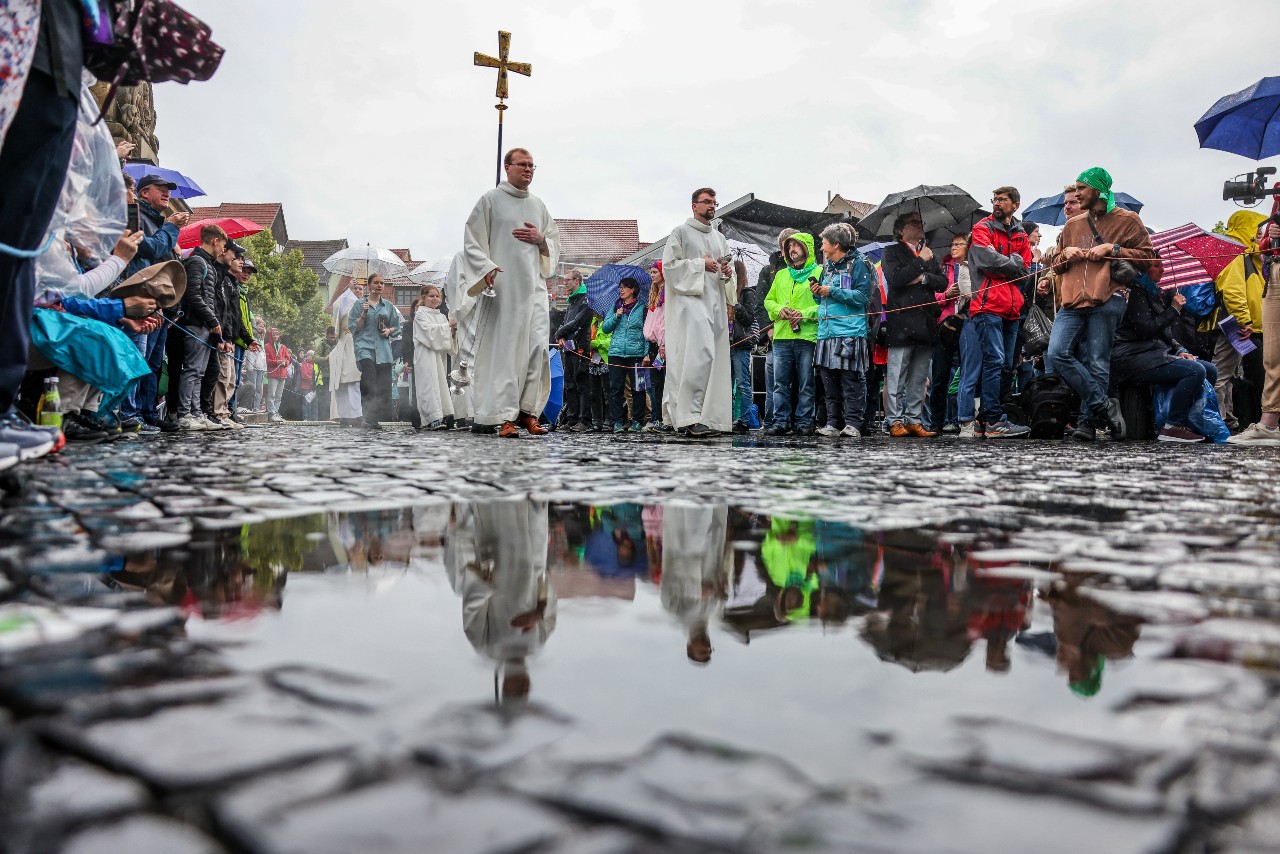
pixel 92 210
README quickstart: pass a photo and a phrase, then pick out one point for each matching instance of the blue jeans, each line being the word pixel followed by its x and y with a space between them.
pixel 1080 352
pixel 1187 377
pixel 768 389
pixel 793 366
pixel 986 351
pixel 740 361
pixel 141 401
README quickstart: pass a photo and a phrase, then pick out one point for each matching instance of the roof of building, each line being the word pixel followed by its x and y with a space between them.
pixel 263 214
pixel 598 238
pixel 839 204
pixel 314 253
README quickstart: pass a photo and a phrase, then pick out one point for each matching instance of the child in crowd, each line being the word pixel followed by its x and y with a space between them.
pixel 434 339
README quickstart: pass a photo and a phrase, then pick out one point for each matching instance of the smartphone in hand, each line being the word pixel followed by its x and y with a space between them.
pixel 131 222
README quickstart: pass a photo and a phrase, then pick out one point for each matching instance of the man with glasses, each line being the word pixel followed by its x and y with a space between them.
pixel 511 244
pixel 999 258
pixel 697 267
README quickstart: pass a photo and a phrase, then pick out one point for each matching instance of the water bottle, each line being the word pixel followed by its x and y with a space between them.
pixel 49 412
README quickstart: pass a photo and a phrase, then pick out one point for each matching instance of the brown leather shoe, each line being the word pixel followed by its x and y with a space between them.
pixel 918 431
pixel 530 423
pixel 508 430
pixel 898 430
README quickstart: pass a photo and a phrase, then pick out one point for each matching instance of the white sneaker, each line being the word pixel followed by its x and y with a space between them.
pixel 1258 436
pixel 828 430
pixel 968 430
pixel 849 432
pixel 276 419
pixel 210 424
pixel 189 423
pixel 228 424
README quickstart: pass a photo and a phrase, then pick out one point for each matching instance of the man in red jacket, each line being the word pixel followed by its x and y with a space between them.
pixel 999 258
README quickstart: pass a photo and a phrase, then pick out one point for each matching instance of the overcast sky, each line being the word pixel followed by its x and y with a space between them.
pixel 368 120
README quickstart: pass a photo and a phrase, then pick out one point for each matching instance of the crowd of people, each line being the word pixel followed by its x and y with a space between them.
pixel 996 339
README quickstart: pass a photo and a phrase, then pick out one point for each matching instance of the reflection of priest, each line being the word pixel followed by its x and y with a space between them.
pixel 498 560
pixel 695 569
pixel 511 243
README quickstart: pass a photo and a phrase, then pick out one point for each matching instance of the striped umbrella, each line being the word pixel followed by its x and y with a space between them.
pixel 1181 269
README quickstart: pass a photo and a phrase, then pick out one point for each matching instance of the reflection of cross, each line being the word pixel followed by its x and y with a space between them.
pixel 503 65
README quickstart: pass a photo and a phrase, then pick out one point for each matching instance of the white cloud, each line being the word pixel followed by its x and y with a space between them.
pixel 369 122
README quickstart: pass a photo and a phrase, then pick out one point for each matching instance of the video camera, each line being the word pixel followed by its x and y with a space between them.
pixel 1251 190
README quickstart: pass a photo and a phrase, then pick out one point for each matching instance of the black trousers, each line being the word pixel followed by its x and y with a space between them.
pixel 577 390
pixel 846 393
pixel 33 166
pixel 375 390
pixel 619 369
pixel 596 385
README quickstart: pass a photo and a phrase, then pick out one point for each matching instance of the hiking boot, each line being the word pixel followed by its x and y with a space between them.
pixel 1178 433
pixel 700 431
pixel 777 431
pixel 898 430
pixel 969 430
pixel 920 432
pixel 1084 433
pixel 530 424
pixel 1006 429
pixel 1258 436
pixel 131 425
pixel 508 430
pixel 1114 420
pixel 740 428
pixel 76 430
pixel 851 432
pixel 828 431
pixel 164 425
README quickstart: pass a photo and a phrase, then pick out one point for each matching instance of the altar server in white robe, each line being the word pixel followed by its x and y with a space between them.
pixel 697 267
pixel 461 306
pixel 344 372
pixel 433 341
pixel 511 243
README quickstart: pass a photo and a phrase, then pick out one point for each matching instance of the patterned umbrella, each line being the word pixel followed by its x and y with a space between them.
pixel 1181 269
pixel 1213 251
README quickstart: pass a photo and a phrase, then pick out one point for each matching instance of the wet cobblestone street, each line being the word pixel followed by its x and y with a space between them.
pixel 295 639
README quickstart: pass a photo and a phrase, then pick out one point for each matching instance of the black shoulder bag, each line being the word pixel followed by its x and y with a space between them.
pixel 1122 271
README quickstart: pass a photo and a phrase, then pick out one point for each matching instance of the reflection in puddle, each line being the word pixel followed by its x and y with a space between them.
pixel 916 599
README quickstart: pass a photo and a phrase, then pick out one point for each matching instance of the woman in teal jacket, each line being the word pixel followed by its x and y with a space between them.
pixel 843 354
pixel 627 348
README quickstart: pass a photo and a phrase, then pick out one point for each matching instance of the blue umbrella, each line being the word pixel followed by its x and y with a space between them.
pixel 1245 123
pixel 602 286
pixel 1052 210
pixel 187 189
pixel 873 250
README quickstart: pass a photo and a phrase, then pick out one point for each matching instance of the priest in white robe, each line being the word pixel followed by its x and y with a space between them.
pixel 696 562
pixel 512 243
pixel 698 398
pixel 344 372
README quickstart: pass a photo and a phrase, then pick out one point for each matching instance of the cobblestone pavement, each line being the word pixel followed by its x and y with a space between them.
pixel 251 642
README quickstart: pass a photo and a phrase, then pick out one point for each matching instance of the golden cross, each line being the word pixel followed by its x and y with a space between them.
pixel 503 65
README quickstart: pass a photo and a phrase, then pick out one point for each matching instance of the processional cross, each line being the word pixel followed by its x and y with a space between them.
pixel 503 64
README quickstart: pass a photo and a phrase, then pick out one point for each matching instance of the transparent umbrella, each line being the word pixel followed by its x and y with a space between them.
pixel 432 272
pixel 361 262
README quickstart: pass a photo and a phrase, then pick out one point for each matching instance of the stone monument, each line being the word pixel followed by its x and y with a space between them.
pixel 132 118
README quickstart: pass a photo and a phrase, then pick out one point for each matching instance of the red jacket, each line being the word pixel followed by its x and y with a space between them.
pixel 995 270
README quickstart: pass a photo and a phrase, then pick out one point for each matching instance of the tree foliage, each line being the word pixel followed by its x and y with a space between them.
pixel 284 293
pixel 1220 228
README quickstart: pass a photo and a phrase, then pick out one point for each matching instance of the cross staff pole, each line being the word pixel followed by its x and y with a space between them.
pixel 503 64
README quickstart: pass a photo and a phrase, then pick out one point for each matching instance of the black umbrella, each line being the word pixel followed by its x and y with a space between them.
pixel 939 240
pixel 939 207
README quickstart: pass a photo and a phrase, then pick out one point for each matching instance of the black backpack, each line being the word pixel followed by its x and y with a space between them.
pixel 1050 404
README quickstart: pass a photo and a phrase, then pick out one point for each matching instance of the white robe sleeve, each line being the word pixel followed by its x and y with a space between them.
pixel 683 275
pixel 551 232
pixel 476 262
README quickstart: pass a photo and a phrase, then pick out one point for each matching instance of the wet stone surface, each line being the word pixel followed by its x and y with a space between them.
pixel 313 639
